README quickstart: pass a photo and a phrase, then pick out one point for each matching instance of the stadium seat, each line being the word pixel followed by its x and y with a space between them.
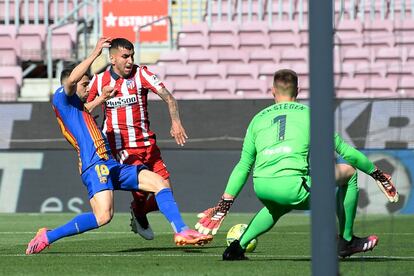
pixel 254 42
pixel 349 85
pixel 7 32
pixel 378 27
pixel 210 72
pixel 225 42
pixel 202 56
pixel 348 26
pixel 294 56
pixel 242 71
pixel 30 39
pixel 191 43
pixel 263 56
pixel 358 55
pixel 404 40
pixel 283 14
pixel 200 29
pixel 189 89
pixel 63 40
pixel 232 56
pixel 278 27
pixel 391 55
pixel 179 72
pixel 10 82
pixel 253 27
pixel 368 70
pixel 406 85
pixel 378 41
pixel 380 84
pixel 8 52
pixel 173 57
pixel 343 69
pixel 410 55
pixel 348 40
pixel 403 27
pixel 398 70
pixel 224 30
pixel 267 70
pixel 284 40
pixel 220 89
pixel 252 89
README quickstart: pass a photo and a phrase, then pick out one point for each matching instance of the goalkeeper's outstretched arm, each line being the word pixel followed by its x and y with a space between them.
pixel 360 161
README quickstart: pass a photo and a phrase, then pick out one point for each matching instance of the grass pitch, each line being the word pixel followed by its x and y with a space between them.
pixel 114 250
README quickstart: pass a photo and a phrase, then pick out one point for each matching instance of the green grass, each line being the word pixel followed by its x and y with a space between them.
pixel 114 250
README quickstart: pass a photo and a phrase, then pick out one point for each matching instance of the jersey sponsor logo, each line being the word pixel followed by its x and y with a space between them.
pixel 277 150
pixel 121 101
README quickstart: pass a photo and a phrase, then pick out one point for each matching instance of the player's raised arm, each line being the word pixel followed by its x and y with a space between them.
pixel 80 70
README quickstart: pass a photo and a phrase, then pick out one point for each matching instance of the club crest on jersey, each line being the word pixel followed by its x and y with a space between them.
pixel 103 179
pixel 130 84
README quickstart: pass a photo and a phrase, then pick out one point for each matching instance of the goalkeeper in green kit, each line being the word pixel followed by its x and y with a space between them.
pixel 277 145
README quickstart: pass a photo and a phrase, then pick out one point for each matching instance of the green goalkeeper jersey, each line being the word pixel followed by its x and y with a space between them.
pixel 277 144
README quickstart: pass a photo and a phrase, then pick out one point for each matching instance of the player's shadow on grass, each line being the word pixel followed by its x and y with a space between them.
pixel 188 249
pixel 374 259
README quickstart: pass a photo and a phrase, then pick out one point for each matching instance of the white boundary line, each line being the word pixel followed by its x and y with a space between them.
pixel 170 232
pixel 251 256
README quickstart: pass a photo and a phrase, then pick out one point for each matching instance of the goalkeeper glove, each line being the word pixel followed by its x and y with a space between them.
pixel 211 219
pixel 384 182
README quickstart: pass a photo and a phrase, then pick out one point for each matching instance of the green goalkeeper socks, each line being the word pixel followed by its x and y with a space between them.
pixel 347 202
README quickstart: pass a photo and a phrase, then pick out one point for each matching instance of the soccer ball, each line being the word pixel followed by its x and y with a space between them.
pixel 235 233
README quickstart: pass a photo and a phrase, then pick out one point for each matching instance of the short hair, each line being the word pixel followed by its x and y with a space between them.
pixel 121 43
pixel 66 73
pixel 286 80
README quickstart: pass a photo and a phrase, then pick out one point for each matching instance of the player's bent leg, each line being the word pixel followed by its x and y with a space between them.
pixel 152 182
pixel 343 172
pixel 102 204
pixel 139 221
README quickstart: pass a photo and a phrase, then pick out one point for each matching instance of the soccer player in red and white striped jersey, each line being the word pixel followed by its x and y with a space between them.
pixel 126 122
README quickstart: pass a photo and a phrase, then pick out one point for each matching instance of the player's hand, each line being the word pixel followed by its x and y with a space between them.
pixel 103 42
pixel 211 219
pixel 108 92
pixel 178 132
pixel 385 184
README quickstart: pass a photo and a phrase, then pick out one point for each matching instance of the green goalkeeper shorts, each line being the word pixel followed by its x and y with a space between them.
pixel 290 191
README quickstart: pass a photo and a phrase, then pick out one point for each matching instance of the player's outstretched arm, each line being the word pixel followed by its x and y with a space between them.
pixel 361 162
pixel 211 219
pixel 80 70
pixel 385 184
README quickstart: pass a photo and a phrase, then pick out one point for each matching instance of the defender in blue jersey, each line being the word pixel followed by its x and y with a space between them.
pixel 100 173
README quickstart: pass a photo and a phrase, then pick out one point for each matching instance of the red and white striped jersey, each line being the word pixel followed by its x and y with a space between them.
pixel 126 122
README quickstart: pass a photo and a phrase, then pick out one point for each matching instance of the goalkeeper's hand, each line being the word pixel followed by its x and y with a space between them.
pixel 384 182
pixel 211 219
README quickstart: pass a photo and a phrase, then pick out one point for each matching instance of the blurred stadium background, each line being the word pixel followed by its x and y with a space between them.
pixel 217 57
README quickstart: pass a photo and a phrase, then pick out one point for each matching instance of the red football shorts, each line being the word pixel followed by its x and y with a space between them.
pixel 149 156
